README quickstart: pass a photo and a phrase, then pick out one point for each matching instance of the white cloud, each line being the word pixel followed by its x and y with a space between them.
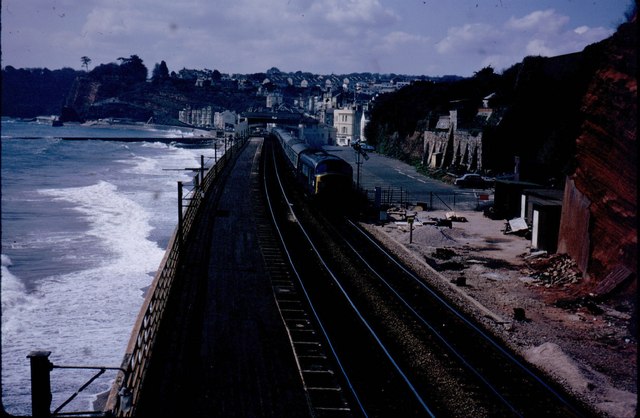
pixel 474 38
pixel 108 21
pixel 542 33
pixel 356 12
pixel 539 47
pixel 581 30
pixel 400 40
pixel 545 21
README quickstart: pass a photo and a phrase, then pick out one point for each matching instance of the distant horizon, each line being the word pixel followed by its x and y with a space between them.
pixel 257 72
pixel 150 69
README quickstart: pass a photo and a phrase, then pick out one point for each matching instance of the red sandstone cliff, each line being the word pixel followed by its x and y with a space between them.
pixel 599 219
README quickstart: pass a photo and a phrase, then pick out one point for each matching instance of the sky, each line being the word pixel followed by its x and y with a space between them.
pixel 412 37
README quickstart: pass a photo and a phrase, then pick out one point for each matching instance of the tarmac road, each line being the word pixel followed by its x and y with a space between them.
pixel 386 172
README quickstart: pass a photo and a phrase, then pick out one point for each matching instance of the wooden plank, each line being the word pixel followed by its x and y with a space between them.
pixel 618 275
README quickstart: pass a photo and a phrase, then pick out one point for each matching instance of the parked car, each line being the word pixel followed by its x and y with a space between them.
pixel 475 181
pixel 367 147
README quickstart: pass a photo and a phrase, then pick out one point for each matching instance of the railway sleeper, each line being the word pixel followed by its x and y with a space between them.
pixel 307 348
pixel 315 363
pixel 327 397
pixel 294 315
pixel 320 379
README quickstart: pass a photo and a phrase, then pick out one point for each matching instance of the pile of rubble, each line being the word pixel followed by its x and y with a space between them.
pixel 553 270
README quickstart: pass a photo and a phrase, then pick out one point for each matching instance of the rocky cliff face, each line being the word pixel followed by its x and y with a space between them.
pixel 599 222
pixel 83 94
pixel 95 98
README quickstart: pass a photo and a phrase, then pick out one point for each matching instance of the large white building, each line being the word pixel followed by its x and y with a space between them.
pixel 349 124
pixel 197 117
pixel 344 120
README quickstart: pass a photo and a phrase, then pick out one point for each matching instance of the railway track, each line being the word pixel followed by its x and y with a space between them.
pixel 391 345
pixel 322 384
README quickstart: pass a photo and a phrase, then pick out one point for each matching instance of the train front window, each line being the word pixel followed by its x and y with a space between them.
pixel 336 167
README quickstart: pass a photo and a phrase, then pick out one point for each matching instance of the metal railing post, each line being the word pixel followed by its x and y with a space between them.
pixel 180 220
pixel 40 383
pixel 202 169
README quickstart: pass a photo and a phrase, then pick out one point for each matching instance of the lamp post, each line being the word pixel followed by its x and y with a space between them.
pixel 358 164
pixel 359 153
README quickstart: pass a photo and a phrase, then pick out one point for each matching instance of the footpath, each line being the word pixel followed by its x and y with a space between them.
pixel 224 350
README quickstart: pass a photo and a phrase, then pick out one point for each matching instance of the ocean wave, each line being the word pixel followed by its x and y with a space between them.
pixel 97 303
pixel 83 316
pixel 82 301
pixel 5 260
pixel 157 145
pixel 15 299
pixel 118 221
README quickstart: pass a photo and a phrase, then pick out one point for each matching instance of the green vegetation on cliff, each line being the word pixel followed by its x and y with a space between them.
pixel 31 92
pixel 538 101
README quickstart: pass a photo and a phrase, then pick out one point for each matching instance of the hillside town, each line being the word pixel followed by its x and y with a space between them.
pixel 336 107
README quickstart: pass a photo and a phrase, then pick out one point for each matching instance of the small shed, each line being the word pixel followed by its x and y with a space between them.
pixel 545 224
pixel 508 197
pixel 530 197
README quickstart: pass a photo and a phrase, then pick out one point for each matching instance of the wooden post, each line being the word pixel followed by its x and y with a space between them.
pixel 410 220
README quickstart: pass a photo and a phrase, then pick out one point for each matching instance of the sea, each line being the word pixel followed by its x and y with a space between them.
pixel 85 224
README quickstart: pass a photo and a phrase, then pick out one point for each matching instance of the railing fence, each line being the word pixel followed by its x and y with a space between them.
pixel 125 391
pixel 387 197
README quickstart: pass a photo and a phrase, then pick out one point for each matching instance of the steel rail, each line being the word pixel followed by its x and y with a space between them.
pixel 302 286
pixel 432 328
pixel 470 324
pixel 335 279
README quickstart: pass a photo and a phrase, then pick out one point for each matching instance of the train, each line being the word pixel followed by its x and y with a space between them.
pixel 321 174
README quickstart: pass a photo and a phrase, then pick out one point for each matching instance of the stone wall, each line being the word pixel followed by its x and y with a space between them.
pixel 453 148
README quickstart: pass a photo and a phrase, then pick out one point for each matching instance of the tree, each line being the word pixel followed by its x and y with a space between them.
pixel 160 72
pixel 132 69
pixel 85 62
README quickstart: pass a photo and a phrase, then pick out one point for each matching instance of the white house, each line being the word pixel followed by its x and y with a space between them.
pixel 344 120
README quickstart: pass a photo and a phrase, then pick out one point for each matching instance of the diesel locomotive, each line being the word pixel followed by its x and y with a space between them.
pixel 321 174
